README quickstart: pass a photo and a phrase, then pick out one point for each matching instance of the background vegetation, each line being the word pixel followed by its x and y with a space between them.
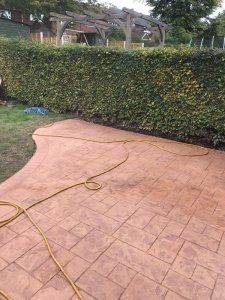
pixel 188 18
pixel 40 9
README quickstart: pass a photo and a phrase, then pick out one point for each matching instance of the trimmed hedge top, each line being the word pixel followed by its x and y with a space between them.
pixel 179 92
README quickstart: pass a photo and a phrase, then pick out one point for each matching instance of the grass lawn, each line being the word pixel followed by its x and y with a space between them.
pixel 16 143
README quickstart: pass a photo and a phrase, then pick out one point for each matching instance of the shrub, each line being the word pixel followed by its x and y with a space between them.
pixel 179 92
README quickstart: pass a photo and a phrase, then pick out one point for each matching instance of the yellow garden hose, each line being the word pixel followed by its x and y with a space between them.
pixel 90 184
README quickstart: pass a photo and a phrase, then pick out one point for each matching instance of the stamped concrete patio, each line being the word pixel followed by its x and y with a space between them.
pixel 154 231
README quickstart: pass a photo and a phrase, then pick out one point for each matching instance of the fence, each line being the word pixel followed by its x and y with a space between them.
pixel 208 42
pixel 122 44
pixel 38 36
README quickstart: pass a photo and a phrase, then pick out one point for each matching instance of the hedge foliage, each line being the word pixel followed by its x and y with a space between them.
pixel 179 92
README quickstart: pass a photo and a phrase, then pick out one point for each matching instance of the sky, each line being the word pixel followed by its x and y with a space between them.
pixel 140 6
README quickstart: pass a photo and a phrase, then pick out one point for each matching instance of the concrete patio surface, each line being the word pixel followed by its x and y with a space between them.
pixel 154 231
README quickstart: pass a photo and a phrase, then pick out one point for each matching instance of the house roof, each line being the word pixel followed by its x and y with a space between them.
pixel 12 21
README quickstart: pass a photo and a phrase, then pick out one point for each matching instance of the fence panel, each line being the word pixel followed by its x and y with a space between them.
pixel 38 36
pixel 121 44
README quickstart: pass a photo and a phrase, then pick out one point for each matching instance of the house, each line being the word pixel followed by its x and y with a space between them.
pixel 77 32
pixel 14 29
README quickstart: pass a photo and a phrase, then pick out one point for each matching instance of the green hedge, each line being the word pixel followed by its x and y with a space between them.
pixel 179 92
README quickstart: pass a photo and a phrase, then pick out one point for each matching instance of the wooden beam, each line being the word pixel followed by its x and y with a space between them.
pixel 93 24
pixel 114 15
pixel 132 12
pixel 121 24
pixel 142 22
pixel 102 33
pixel 100 27
pixel 54 19
pixel 153 20
pixel 99 16
pixel 100 24
pixel 60 16
pixel 75 16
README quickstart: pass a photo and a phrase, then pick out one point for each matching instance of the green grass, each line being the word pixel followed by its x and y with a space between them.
pixel 16 143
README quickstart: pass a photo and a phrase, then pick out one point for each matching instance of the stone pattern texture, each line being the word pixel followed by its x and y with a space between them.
pixel 156 229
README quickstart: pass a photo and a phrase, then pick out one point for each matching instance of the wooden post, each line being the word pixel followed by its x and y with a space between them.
pixel 212 44
pixel 201 45
pixel 127 27
pixel 41 37
pixel 128 31
pixel 61 26
pixel 102 33
pixel 162 36
pixel 58 33
pixel 103 37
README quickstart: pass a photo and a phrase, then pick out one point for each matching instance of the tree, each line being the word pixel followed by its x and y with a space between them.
pixel 39 8
pixel 217 25
pixel 184 14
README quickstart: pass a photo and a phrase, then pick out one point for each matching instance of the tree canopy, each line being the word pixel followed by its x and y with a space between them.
pixel 217 25
pixel 185 14
pixel 43 7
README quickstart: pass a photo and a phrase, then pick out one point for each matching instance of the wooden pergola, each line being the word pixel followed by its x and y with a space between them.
pixel 108 20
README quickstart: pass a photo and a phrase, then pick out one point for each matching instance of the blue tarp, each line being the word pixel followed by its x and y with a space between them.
pixel 36 110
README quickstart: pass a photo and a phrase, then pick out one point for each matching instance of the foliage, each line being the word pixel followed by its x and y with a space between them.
pixel 178 36
pixel 179 92
pixel 117 36
pixel 43 7
pixel 217 25
pixel 184 14
pixel 136 38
